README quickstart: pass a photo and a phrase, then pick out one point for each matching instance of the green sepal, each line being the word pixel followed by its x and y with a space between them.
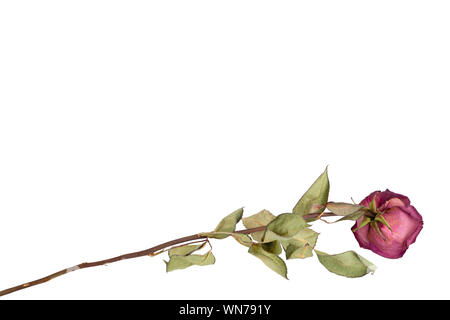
pixel 365 222
pixel 374 224
pixel 373 204
pixel 380 218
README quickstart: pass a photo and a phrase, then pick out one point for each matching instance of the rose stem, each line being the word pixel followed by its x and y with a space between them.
pixel 132 255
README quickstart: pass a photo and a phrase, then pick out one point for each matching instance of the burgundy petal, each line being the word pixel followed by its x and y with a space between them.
pixel 383 197
pixel 367 200
pixel 361 234
pixel 388 195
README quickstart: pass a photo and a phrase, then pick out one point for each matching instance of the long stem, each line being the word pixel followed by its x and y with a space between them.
pixel 132 255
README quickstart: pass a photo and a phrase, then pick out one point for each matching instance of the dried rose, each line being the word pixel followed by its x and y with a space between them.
pixel 389 226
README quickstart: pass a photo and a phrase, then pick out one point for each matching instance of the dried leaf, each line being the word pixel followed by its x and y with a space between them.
pixel 260 219
pixel 285 226
pixel 228 224
pixel 315 199
pixel 342 208
pixel 301 245
pixel 181 262
pixel 185 250
pixel 348 264
pixel 243 239
pixel 272 247
pixel 269 259
pixel 353 216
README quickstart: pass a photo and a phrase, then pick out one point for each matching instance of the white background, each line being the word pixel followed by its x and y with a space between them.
pixel 124 124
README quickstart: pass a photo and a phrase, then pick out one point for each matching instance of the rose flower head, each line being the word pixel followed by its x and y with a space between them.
pixel 389 226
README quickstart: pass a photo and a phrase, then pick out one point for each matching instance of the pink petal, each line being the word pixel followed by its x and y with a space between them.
pixel 394 202
pixel 405 222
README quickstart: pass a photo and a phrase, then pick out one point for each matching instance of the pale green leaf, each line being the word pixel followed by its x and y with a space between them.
pixel 285 226
pixel 216 235
pixel 181 262
pixel 185 250
pixel 269 259
pixel 272 247
pixel 301 245
pixel 353 216
pixel 243 239
pixel 303 252
pixel 228 224
pixel 342 208
pixel 315 199
pixel 260 219
pixel 348 264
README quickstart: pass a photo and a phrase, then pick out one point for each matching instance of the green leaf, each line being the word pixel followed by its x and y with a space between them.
pixel 181 262
pixel 315 199
pixel 301 245
pixel 272 247
pixel 348 264
pixel 269 259
pixel 285 226
pixel 260 219
pixel 353 216
pixel 228 224
pixel 185 250
pixel 302 252
pixel 243 239
pixel 342 208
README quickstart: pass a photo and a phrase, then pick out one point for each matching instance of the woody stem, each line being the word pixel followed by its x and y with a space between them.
pixel 150 251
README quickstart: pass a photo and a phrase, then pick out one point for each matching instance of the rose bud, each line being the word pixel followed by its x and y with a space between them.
pixel 389 226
